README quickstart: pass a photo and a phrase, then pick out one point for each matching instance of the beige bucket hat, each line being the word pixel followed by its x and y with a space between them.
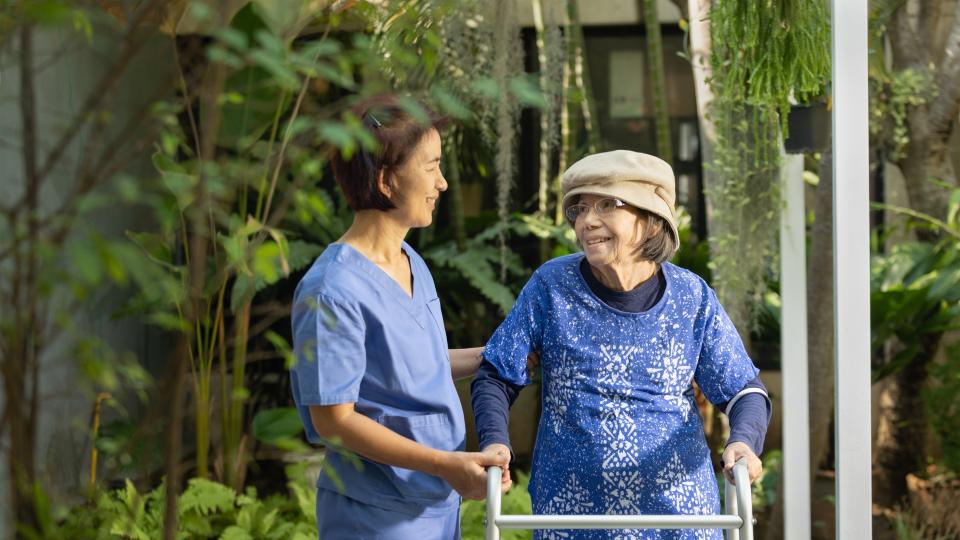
pixel 640 180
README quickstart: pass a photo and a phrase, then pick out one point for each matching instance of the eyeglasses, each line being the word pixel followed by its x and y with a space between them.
pixel 602 207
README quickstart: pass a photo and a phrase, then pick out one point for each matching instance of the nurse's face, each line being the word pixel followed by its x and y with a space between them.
pixel 415 186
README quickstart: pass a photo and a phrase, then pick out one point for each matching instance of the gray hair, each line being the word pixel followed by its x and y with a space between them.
pixel 657 243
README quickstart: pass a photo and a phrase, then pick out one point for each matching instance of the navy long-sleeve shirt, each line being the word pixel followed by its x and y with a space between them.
pixel 748 412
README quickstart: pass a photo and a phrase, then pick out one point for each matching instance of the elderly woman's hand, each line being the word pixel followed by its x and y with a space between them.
pixel 501 451
pixel 733 452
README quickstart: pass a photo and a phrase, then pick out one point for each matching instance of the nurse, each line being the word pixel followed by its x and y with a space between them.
pixel 373 373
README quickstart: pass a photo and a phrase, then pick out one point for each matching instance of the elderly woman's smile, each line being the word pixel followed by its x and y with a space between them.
pixel 610 233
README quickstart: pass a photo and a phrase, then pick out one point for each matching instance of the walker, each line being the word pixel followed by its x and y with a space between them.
pixel 737 519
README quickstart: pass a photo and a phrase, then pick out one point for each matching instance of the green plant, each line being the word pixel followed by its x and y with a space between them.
pixel 205 509
pixel 943 407
pixel 763 55
pixel 916 287
pixel 516 501
pixel 765 488
pixel 907 525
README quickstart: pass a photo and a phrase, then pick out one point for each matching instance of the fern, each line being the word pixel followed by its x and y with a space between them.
pixel 205 497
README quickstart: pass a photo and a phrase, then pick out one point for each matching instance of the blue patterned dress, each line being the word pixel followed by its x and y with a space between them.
pixel 620 432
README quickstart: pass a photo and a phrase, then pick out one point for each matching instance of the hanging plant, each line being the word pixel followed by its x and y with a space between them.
pixel 764 54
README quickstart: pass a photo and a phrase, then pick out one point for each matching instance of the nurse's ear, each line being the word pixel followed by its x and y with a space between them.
pixel 383 183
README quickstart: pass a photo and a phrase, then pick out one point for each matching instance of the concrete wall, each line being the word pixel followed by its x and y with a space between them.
pixel 68 68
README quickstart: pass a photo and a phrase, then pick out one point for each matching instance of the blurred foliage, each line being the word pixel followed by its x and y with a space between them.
pixel 915 298
pixel 943 407
pixel 206 509
pixel 916 286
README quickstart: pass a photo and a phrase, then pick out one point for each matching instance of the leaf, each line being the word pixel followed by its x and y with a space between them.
pixel 528 92
pixel 243 288
pixel 286 18
pixel 945 285
pixel 283 76
pixel 266 259
pixel 480 274
pixel 153 245
pixel 337 135
pixel 204 497
pixel 272 425
pixel 449 104
pixel 233 38
pixel 234 532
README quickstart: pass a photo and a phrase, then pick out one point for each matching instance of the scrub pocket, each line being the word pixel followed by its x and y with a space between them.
pixel 433 430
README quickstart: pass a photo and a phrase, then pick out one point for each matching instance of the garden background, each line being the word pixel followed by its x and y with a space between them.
pixel 165 184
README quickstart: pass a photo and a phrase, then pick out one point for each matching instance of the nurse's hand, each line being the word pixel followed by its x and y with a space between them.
pixel 732 453
pixel 466 472
pixel 533 360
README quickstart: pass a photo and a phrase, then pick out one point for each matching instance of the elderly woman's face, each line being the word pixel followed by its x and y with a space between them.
pixel 419 182
pixel 610 239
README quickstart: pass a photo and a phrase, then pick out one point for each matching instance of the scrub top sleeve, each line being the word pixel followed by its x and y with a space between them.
pixel 328 336
pixel 724 367
pixel 517 336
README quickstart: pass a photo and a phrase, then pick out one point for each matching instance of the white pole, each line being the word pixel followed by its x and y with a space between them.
pixel 851 269
pixel 491 530
pixel 793 348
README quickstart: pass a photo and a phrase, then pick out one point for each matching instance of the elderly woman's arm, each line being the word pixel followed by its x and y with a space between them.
pixel 749 414
pixel 491 398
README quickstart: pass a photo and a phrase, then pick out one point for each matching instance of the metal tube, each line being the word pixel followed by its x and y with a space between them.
pixel 737 498
pixel 604 521
pixel 744 498
pixel 493 503
pixel 730 506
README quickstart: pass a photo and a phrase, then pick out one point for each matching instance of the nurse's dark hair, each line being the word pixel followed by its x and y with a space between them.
pixel 397 128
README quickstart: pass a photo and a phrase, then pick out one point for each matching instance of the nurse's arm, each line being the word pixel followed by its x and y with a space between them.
pixel 464 471
pixel 465 362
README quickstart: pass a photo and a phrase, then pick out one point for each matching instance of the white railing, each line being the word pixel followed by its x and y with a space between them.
pixel 737 519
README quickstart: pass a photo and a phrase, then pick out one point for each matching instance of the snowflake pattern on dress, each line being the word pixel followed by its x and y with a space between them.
pixel 620 434
pixel 559 392
pixel 617 359
pixel 673 371
pixel 674 481
pixel 573 499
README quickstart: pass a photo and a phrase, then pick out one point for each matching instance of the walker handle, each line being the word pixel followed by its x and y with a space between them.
pixel 737 520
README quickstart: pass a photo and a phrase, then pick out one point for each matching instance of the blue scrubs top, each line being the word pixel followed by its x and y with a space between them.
pixel 360 338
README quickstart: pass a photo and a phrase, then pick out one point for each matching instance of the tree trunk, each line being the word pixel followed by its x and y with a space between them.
pixel 658 79
pixel 902 431
pixel 581 74
pixel 19 361
pixel 820 323
pixel 699 11
pixel 916 43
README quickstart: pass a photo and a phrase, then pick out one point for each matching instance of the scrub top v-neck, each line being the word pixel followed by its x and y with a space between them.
pixel 360 338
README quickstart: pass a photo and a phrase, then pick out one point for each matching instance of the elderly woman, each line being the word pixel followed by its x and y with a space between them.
pixel 622 335
pixel 373 373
